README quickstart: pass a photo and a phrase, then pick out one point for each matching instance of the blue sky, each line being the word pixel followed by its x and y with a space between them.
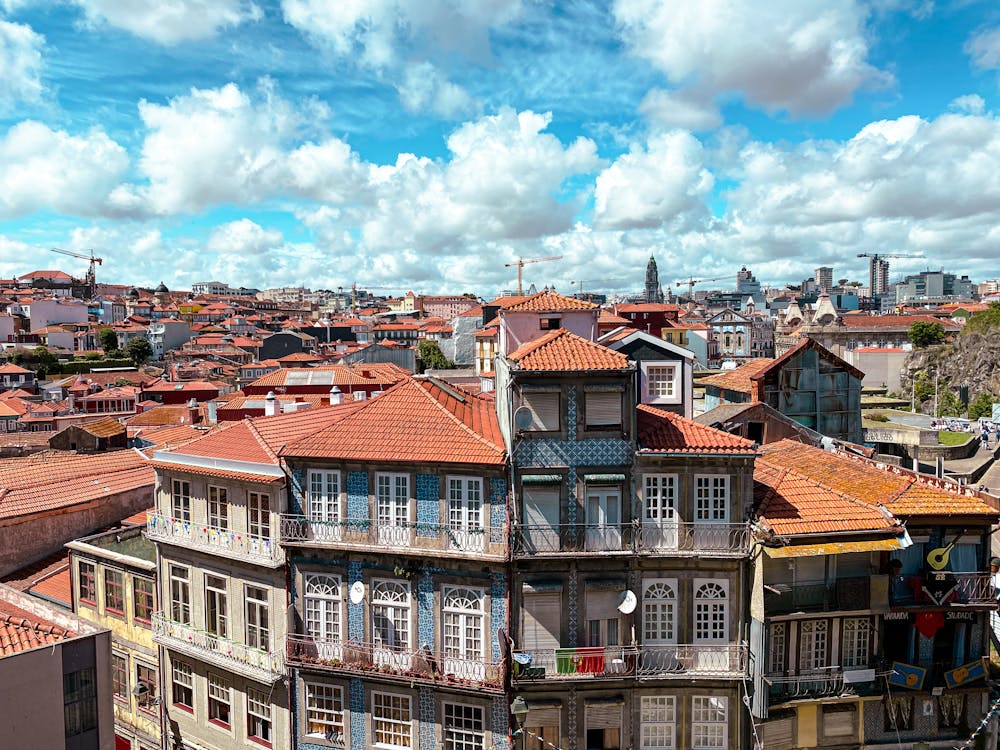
pixel 287 142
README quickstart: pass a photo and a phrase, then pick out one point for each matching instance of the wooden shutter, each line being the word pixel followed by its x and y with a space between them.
pixel 540 620
pixel 604 409
pixel 839 723
pixel 544 411
pixel 604 716
pixel 602 605
pixel 779 733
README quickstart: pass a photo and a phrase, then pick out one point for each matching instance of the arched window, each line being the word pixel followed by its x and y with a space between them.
pixel 711 605
pixel 659 611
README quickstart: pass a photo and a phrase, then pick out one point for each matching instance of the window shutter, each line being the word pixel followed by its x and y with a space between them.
pixel 604 409
pixel 545 717
pixel 604 716
pixel 838 723
pixel 544 411
pixel 540 621
pixel 541 507
pixel 602 605
pixel 779 733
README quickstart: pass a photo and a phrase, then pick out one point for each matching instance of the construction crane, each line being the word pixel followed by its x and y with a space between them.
pixel 878 277
pixel 692 281
pixel 91 277
pixel 521 263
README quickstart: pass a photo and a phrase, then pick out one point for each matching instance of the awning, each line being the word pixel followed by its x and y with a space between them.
pixel 541 478
pixel 603 478
pixel 839 548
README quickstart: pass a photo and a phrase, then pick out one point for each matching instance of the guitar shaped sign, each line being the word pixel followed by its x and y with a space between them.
pixel 938 558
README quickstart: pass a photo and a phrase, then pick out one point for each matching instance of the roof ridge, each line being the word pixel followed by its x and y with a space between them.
pixel 260 440
pixel 426 394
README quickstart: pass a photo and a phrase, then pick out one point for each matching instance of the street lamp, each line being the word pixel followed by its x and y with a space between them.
pixel 519 710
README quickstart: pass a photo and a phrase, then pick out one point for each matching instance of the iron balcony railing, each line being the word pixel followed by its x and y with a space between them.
pixel 376 535
pixel 844 594
pixel 258 664
pixel 420 664
pixel 942 588
pixel 214 540
pixel 665 661
pixel 667 538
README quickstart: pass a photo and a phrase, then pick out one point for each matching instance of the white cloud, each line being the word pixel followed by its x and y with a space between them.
pixel 649 186
pixel 983 48
pixel 20 63
pixel 49 169
pixel 243 237
pixel 803 56
pixel 972 104
pixel 171 22
pixel 679 109
pixel 425 89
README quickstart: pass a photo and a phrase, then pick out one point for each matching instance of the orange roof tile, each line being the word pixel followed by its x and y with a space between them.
pixel 161 416
pixel 21 630
pixel 549 301
pixel 380 374
pixel 900 322
pixel 137 519
pixel 24 578
pixel 56 586
pixel 103 427
pixel 666 432
pixel 738 379
pixel 415 421
pixel 560 350
pixel 164 437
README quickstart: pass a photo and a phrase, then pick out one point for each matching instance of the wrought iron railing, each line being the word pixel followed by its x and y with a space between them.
pixel 225 652
pixel 423 663
pixel 941 588
pixel 212 539
pixel 666 538
pixel 685 661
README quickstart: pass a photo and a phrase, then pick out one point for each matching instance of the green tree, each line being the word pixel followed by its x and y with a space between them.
pixel 984 321
pixel 924 333
pixel 43 361
pixel 107 339
pixel 431 356
pixel 138 350
pixel 981 405
pixel 949 404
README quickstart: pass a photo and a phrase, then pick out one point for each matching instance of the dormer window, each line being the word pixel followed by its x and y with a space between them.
pixel 550 323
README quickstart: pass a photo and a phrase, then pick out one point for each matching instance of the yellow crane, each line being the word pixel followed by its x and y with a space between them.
pixel 521 263
pixel 91 277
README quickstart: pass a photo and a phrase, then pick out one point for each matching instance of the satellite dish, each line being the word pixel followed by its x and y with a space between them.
pixel 627 602
pixel 357 592
pixel 522 417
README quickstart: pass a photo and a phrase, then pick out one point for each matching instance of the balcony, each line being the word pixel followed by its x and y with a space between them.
pixel 670 538
pixel 668 661
pixel 943 588
pixel 213 540
pixel 375 536
pixel 407 664
pixel 825 682
pixel 844 594
pixel 263 666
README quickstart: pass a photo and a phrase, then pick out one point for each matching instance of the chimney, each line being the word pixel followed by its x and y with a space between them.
pixel 336 397
pixel 270 404
pixel 213 411
pixel 193 410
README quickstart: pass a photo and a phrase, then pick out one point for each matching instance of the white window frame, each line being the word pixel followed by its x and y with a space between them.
pixel 658 722
pixel 324 706
pixel 180 584
pixel 471 735
pixel 180 500
pixel 392 499
pixel 259 709
pixel 218 507
pixel 321 594
pixel 777 640
pixel 708 730
pixel 182 674
pixel 257 613
pixel 673 394
pixel 659 607
pixel 323 495
pixel 390 609
pixel 814 644
pixel 259 515
pixel 220 690
pixel 466 511
pixel 463 628
pixel 220 593
pixel 856 633
pixel 711 498
pixel 653 486
pixel 711 612
pixel 395 727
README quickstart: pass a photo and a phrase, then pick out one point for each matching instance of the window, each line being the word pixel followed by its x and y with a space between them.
pixel 258 621
pixel 182 685
pixel 325 712
pixel 143 599
pixel 391 614
pixel 544 724
pixel 322 607
pixel 604 726
pixel 87 583
pixel 857 636
pixel 219 700
pixel 259 515
pixel 392 725
pixel 463 727
pixel 80 701
pixel 119 677
pixel 544 409
pixel 710 610
pixel 180 595
pixel 465 513
pixel 549 324
pixel 708 722
pixel 812 644
pixel 216 613
pixel 392 507
pixel 602 618
pixel 324 496
pixel 145 682
pixel 660 524
pixel 541 618
pixel 114 591
pixel 258 716
pixel 776 663
pixel 180 500
pixel 660 383
pixel 603 409
pixel 463 627
pixel 659 611
pixel 711 498
pixel 658 721
pixel 218 507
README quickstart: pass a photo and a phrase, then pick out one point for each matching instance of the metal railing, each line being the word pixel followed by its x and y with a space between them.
pixel 817 683
pixel 667 538
pixel 424 663
pixel 256 663
pixel 435 537
pixel 213 539
pixel 848 593
pixel 685 661
pixel 941 588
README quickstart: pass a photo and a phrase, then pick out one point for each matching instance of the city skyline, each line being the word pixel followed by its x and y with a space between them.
pixel 294 143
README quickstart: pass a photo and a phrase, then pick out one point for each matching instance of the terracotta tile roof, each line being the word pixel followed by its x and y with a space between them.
pixel 607 317
pixel 56 586
pixel 237 441
pixel 738 379
pixel 415 421
pixel 137 519
pixel 103 427
pixel 160 416
pixel 51 480
pixel 21 631
pixel 560 350
pixel 165 386
pixel 300 357
pixel 24 578
pixel 898 322
pixel 217 473
pixel 549 301
pixel 638 307
pixel 902 492
pixel 666 432
pixel 381 374
pixel 10 369
pixel 171 435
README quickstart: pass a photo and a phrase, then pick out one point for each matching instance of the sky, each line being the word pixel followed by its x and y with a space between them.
pixel 428 144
